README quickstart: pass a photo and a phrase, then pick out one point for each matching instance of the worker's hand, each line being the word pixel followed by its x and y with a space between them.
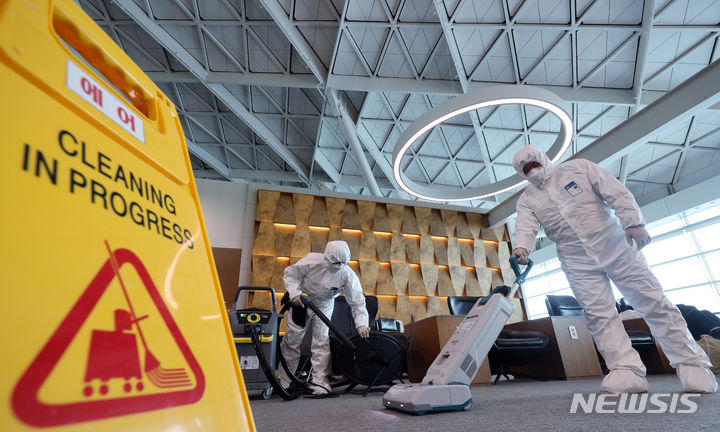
pixel 521 254
pixel 639 234
pixel 297 301
pixel 364 331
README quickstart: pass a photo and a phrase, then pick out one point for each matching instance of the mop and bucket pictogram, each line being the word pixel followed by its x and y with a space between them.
pixel 115 354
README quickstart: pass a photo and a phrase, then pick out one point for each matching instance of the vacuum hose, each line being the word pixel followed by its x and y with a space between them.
pixel 267 369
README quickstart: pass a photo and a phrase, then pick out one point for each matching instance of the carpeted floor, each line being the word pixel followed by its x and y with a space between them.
pixel 507 407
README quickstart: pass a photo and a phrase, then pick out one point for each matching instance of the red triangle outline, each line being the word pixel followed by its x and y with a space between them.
pixel 25 402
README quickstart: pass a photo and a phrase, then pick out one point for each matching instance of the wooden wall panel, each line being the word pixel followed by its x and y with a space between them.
pixel 472 287
pixel 381 221
pixel 422 216
pixel 278 273
pixel 353 240
pixel 440 247
pixel 453 251
pixel 466 252
pixel 264 243
pixel 334 234
pixel 410 225
pixel 367 247
pixel 462 227
pixel 401 276
pixel 457 276
pixel 427 253
pixel 318 239
pixel 407 267
pixel 301 241
pixel 383 245
pixel 412 248
pixel 284 240
pixel 395 213
pixel 517 314
pixel 416 286
pixel 266 205
pixel 491 251
pixel 479 254
pixel 319 214
pixel 385 283
pixel 445 286
pixel 437 306
pixel 418 308
pixel 366 210
pixel 260 300
pixel 476 222
pixel 285 212
pixel 386 307
pixel 430 278
pixel 262 270
pixel 397 248
pixel 402 309
pixel 351 217
pixel 485 279
pixel 449 218
pixel 368 276
pixel 504 254
pixel 335 211
pixel 303 205
pixel 508 276
pixel 437 228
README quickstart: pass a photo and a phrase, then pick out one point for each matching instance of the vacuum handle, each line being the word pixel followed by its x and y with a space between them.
pixel 256 288
pixel 344 339
pixel 520 276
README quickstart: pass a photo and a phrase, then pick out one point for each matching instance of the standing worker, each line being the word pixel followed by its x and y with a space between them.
pixel 322 277
pixel 572 202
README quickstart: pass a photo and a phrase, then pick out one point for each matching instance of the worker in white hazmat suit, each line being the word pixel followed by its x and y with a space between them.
pixel 322 277
pixel 572 202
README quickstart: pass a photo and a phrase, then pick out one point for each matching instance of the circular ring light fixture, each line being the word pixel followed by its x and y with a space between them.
pixel 481 98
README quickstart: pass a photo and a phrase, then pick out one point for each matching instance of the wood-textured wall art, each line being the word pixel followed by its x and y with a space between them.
pixel 411 257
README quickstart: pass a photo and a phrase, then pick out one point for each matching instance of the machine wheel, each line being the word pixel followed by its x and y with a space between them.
pixel 267 393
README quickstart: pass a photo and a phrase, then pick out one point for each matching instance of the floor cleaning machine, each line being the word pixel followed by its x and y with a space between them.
pixel 446 385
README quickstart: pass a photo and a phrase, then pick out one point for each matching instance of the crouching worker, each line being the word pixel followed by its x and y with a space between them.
pixel 322 277
pixel 573 202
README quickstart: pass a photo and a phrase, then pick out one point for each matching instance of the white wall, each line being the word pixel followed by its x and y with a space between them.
pixel 223 205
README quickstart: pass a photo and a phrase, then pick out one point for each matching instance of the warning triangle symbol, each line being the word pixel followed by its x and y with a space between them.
pixel 111 355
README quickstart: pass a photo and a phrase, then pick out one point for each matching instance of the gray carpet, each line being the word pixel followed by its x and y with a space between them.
pixel 507 407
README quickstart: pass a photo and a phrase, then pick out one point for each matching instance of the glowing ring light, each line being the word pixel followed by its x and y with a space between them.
pixel 482 98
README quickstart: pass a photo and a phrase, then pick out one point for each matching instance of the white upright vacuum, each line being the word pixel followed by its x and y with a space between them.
pixel 446 385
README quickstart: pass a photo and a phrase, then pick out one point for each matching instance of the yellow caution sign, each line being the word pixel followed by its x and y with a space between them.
pixel 112 315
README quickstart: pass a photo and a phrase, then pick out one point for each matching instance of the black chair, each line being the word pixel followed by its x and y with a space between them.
pixel 388 325
pixel 512 348
pixel 702 322
pixel 378 360
pixel 563 305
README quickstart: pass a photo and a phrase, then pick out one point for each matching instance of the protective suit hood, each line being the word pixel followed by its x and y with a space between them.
pixel 530 153
pixel 337 254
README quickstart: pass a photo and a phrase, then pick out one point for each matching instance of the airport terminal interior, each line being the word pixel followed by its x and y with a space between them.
pixel 360 215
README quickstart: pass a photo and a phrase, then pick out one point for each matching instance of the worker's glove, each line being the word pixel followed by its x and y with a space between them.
pixel 639 234
pixel 297 301
pixel 364 331
pixel 521 254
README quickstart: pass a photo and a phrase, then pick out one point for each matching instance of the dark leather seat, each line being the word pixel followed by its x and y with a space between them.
pixel 564 305
pixel 389 325
pixel 512 347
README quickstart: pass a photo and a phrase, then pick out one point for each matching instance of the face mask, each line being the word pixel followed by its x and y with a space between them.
pixel 334 267
pixel 536 174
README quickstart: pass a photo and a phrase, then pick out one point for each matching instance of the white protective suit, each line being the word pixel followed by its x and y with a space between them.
pixel 572 202
pixel 322 277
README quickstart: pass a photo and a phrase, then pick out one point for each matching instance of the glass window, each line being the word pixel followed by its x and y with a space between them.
pixel 708 237
pixel 703 214
pixel 678 246
pixel 713 262
pixel 682 273
pixel 703 297
pixel 665 225
pixel 536 307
